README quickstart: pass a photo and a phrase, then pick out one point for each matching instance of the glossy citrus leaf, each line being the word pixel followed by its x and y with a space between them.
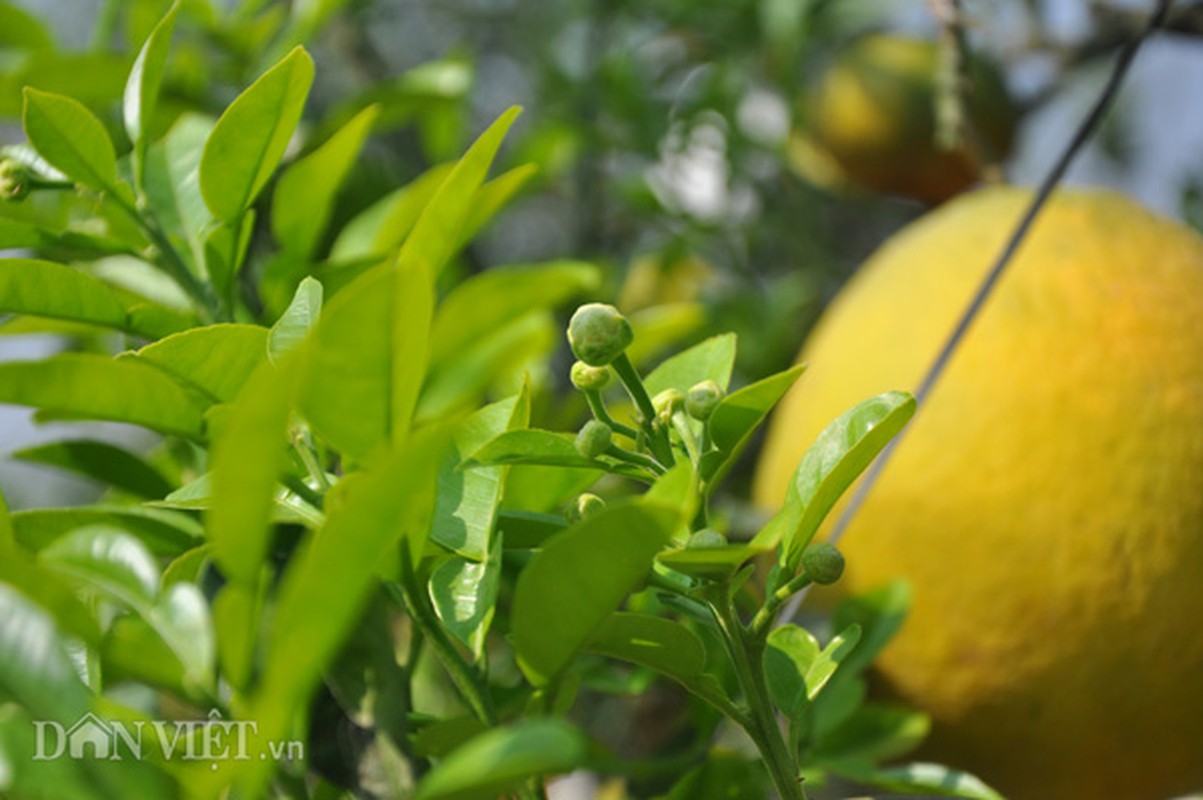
pixel 297 320
pixel 712 359
pixel 142 87
pixel 215 359
pixel 737 417
pixel 250 137
pixel 71 138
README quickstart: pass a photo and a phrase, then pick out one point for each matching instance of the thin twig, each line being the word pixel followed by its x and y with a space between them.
pixel 1047 186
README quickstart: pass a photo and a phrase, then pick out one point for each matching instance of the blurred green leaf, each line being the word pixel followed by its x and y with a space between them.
pixel 66 134
pixel 142 88
pixel 181 618
pixel 171 182
pixel 100 461
pixel 666 646
pixel 498 761
pixel 295 323
pixel 305 193
pixel 478 307
pixel 96 387
pixel 932 779
pixel 715 563
pixel 20 30
pixel 712 359
pixel 35 670
pixel 247 458
pixel 578 579
pixel 382 227
pixel 531 447
pixel 722 776
pixel 165 533
pixel 250 137
pixel 215 359
pixel 107 560
pixel 492 197
pixel 875 733
pixel 879 614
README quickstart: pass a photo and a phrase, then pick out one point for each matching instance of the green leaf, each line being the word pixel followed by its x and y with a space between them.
pixel 496 762
pixel 466 507
pixel 932 779
pixel 225 248
pixel 142 88
pixel 217 360
pixel 435 235
pixel 95 387
pixel 7 543
pixel 366 359
pixel 295 323
pixel 714 563
pixel 382 227
pixel 107 560
pixel 247 457
pixel 721 776
pixel 660 328
pixel 464 594
pixel 477 308
pixel 171 182
pixel 387 504
pixel 35 670
pixel 654 642
pixel 532 446
pixel 796 670
pixel 492 197
pixel 875 733
pixel 250 137
pixel 528 530
pixel 47 289
pixel 52 290
pixel 305 193
pixel 843 450
pixel 738 416
pixel 578 579
pixel 181 618
pixel 67 135
pixel 879 614
pixel 712 359
pixel 100 461
pixel 50 592
pixel 514 351
pixel 165 533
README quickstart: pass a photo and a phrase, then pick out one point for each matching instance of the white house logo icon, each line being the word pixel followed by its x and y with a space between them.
pixel 90 732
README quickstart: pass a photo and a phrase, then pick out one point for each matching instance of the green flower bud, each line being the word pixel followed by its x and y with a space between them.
pixel 593 439
pixel 599 334
pixel 706 537
pixel 15 180
pixel 590 379
pixel 668 402
pixel 587 505
pixel 702 399
pixel 823 563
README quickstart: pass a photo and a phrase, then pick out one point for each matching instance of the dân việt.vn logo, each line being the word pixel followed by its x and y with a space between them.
pixel 212 739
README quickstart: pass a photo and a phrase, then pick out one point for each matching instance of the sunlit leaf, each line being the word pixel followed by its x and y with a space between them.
pixel 142 88
pixel 713 360
pixel 295 323
pixel 69 136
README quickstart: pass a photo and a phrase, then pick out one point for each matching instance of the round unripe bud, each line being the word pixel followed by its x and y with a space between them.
pixel 589 379
pixel 668 402
pixel 599 334
pixel 706 537
pixel 823 563
pixel 702 399
pixel 587 505
pixel 15 182
pixel 593 439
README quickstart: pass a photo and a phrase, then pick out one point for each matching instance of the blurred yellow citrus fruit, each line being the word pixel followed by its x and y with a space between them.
pixel 872 116
pixel 1047 503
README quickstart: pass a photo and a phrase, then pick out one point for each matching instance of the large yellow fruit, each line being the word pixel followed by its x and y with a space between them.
pixel 873 113
pixel 1047 503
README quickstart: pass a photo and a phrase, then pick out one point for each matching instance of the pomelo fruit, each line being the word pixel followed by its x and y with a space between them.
pixel 1046 504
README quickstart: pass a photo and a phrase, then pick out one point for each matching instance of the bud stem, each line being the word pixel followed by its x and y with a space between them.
pixel 598 407
pixel 657 439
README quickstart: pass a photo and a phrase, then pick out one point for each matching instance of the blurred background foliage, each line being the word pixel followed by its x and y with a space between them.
pixel 674 140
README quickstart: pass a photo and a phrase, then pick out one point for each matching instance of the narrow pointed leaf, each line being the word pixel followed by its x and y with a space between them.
pixel 95 387
pixel 165 533
pixel 71 138
pixel 382 227
pixel 142 87
pixel 295 323
pixel 249 139
pixel 843 450
pixel 247 458
pixel 305 194
pixel 738 416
